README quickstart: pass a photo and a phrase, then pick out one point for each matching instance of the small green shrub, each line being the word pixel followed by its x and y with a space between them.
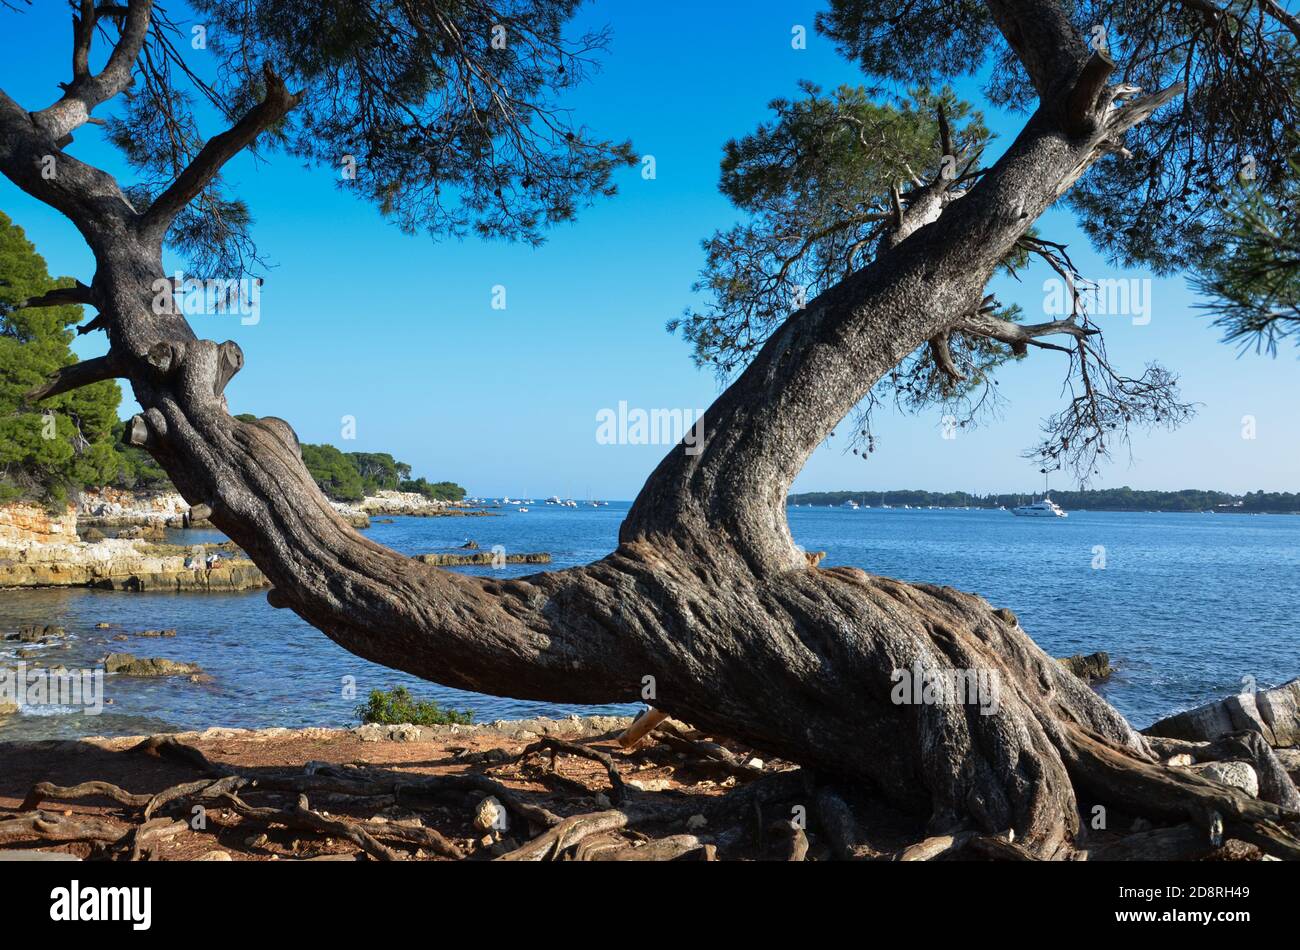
pixel 397 706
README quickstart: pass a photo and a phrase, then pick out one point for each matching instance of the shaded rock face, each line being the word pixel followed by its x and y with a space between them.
pixel 1273 713
pixel 128 665
pixel 37 633
pixel 1088 667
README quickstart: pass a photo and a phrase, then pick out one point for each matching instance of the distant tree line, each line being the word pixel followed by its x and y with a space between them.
pixel 74 440
pixel 351 476
pixel 1103 499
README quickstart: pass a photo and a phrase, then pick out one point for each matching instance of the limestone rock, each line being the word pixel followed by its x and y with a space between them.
pixel 651 784
pixel 32 559
pixel 1273 713
pixel 491 815
pixel 1236 774
pixel 1280 710
pixel 380 732
pixel 24 523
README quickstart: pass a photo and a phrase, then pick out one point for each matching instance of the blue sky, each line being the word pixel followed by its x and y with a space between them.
pixel 399 332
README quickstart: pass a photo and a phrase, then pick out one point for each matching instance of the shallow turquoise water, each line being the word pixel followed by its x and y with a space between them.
pixel 1186 605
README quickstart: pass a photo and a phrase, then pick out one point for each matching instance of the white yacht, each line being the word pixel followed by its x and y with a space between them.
pixel 849 504
pixel 1040 509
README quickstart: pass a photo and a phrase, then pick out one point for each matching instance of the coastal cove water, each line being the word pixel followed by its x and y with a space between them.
pixel 1186 605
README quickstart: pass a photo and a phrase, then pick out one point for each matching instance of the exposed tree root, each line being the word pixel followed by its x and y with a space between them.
pixel 302 816
pixel 46 826
pixel 617 790
pixel 934 847
pixel 1147 788
pixel 712 753
pixel 775 814
pixel 836 821
pixel 1275 783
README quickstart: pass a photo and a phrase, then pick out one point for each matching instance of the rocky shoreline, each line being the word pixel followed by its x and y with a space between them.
pixel 410 504
pixel 114 540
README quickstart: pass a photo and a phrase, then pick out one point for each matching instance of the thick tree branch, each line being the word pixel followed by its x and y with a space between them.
pixel 77 375
pixel 1085 106
pixel 813 370
pixel 83 33
pixel 275 105
pixel 61 296
pixel 87 196
pixel 942 354
pixel 87 91
pixel 1044 39
pixel 1277 12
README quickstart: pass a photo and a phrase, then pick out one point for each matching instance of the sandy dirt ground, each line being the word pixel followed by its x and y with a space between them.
pixel 654 776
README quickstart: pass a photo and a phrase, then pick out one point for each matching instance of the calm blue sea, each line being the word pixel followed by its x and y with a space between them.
pixel 1186 605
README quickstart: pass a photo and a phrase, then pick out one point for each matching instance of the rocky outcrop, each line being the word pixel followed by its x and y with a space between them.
pixel 575 727
pixel 24 524
pixel 36 633
pixel 1273 713
pixel 401 503
pixel 118 564
pixel 352 514
pixel 413 504
pixel 230 574
pixel 107 508
pixel 127 665
pixel 1089 667
pixel 139 565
